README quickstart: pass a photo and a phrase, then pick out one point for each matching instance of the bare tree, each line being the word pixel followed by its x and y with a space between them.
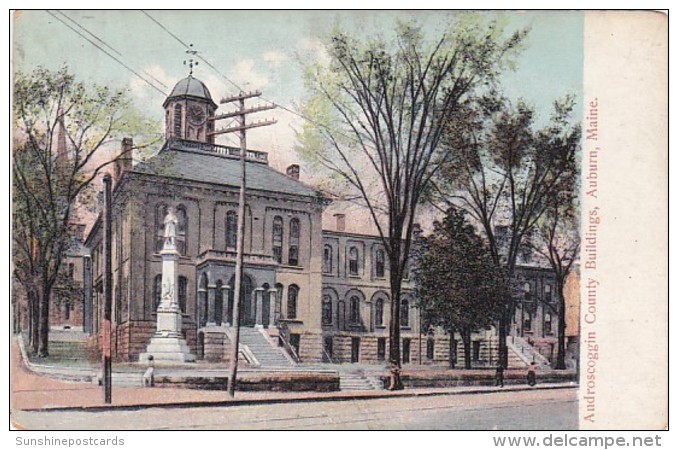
pixel 504 173
pixel 61 129
pixel 556 238
pixel 377 117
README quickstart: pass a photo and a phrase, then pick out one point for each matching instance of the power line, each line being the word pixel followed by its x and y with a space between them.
pixel 107 53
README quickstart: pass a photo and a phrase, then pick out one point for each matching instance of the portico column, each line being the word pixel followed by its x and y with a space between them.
pixel 272 294
pixel 211 299
pixel 259 298
pixel 226 292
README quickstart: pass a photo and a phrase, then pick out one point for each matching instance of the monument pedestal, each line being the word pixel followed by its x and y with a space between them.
pixel 168 344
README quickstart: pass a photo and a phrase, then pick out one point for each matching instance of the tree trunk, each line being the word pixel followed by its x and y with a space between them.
pixel 43 347
pixel 453 350
pixel 395 382
pixel 560 360
pixel 504 322
pixel 466 339
pixel 34 321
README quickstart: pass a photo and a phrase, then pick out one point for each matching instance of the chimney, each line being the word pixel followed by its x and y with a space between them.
pixel 293 171
pixel 62 153
pixel 341 222
pixel 124 159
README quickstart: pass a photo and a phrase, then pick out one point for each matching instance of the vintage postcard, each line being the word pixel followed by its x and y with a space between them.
pixel 339 220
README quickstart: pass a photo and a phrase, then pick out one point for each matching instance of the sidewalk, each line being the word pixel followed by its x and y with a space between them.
pixel 32 392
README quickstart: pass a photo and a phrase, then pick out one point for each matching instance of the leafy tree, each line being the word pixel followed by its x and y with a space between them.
pixel 458 285
pixel 504 173
pixel 62 129
pixel 377 115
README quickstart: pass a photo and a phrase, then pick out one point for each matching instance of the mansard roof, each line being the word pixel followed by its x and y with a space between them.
pixel 178 161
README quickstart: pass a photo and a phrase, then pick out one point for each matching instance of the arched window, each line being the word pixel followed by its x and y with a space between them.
pixel 354 310
pixel 353 256
pixel 182 293
pixel 231 229
pixel 380 263
pixel 327 310
pixel 157 291
pixel 293 253
pixel 218 302
pixel 327 258
pixel 527 322
pixel 379 313
pixel 177 122
pixel 201 310
pixel 160 213
pixel 404 313
pixel 182 229
pixel 528 293
pixel 292 299
pixel 277 238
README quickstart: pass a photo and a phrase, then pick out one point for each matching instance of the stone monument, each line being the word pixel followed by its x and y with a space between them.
pixel 168 344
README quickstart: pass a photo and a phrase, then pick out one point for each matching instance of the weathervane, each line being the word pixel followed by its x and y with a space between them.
pixel 190 63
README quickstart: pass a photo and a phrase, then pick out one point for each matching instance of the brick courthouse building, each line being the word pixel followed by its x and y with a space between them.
pixel 323 294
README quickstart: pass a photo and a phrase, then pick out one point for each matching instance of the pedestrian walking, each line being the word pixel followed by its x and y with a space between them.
pixel 499 376
pixel 532 374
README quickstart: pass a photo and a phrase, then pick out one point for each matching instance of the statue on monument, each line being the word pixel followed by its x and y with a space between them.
pixel 171 221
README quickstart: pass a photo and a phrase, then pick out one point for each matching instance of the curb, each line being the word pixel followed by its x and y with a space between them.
pixel 337 398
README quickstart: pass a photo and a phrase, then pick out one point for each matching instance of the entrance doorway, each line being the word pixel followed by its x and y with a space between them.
pixel 355 349
pixel 406 351
pixel 247 309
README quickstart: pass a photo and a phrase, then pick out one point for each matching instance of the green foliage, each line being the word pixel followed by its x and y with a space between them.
pixel 62 132
pixel 459 286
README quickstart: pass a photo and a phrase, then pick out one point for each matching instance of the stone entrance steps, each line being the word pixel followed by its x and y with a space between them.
pixel 263 350
pixel 358 382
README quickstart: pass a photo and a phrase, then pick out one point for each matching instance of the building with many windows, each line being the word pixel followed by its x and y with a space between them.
pixel 323 294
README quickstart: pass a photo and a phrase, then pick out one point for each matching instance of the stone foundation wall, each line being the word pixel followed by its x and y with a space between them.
pixel 310 347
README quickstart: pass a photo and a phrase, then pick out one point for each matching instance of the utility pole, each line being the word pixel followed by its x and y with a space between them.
pixel 241 128
pixel 108 292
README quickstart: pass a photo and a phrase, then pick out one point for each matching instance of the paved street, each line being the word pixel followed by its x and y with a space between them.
pixel 526 410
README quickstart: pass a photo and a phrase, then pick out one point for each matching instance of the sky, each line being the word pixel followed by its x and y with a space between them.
pixel 266 50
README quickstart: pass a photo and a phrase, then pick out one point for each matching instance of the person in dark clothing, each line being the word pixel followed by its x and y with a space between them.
pixel 532 374
pixel 499 376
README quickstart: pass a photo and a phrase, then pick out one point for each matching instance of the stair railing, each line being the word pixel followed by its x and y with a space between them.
pixel 283 336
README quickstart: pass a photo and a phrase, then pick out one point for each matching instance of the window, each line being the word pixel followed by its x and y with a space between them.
pixel 157 291
pixel 547 293
pixel 292 298
pixel 353 261
pixel 182 229
pixel 177 121
pixel 381 349
pixel 201 310
pixel 548 327
pixel 327 310
pixel 404 313
pixel 327 259
pixel 528 293
pixel 379 264
pixel 527 321
pixel 430 348
pixel 71 270
pixel 354 310
pixel 476 350
pixel 277 238
pixel 379 313
pixel 182 292
pixel 219 302
pixel 293 253
pixel 328 348
pixel 231 229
